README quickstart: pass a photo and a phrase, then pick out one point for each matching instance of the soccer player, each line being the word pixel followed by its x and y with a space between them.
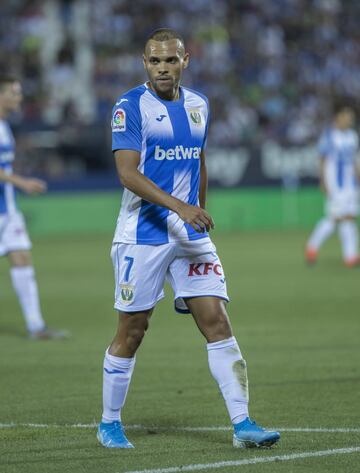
pixel 338 146
pixel 159 132
pixel 14 240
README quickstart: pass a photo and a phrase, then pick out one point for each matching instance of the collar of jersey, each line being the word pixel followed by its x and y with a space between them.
pixel 168 103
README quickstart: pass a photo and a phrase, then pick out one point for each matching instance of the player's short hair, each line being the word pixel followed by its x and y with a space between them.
pixel 165 34
pixel 7 79
pixel 341 105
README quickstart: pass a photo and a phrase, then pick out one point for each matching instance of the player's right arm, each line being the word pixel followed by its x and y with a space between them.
pixel 28 185
pixel 357 166
pixel 322 182
pixel 127 162
pixel 357 157
pixel 323 146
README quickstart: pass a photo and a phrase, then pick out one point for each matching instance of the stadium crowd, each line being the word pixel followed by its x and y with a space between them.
pixel 269 68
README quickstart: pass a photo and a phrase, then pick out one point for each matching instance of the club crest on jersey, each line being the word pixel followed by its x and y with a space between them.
pixel 195 116
pixel 126 293
pixel 119 120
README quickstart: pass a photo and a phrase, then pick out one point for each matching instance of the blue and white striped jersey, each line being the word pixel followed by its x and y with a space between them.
pixel 339 149
pixel 7 154
pixel 169 135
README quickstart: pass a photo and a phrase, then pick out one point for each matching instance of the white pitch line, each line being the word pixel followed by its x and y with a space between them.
pixel 250 461
pixel 11 425
pixel 181 429
pixel 227 428
pixel 317 429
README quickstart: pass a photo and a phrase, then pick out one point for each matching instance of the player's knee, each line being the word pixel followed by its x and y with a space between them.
pixel 218 327
pixel 135 334
pixel 20 258
pixel 134 339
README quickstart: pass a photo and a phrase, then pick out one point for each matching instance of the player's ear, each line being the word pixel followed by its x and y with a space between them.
pixel 144 60
pixel 186 60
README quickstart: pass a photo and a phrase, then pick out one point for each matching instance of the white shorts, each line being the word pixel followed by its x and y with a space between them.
pixel 192 268
pixel 13 233
pixel 342 204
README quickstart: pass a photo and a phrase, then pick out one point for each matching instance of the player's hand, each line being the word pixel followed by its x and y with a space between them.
pixel 195 216
pixel 32 186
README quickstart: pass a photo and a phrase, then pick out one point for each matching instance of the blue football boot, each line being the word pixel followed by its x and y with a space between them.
pixel 112 435
pixel 249 435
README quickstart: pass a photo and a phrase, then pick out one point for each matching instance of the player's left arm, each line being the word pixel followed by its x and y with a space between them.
pixel 357 157
pixel 203 170
pixel 203 181
pixel 26 184
pixel 357 166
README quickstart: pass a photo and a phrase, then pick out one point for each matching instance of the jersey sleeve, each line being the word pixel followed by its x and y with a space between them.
pixel 204 144
pixel 7 145
pixel 324 144
pixel 356 142
pixel 126 126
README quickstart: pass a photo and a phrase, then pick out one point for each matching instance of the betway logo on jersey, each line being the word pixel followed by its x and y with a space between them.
pixel 179 152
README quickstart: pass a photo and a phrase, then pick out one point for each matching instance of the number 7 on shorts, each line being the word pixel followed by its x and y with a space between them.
pixel 130 262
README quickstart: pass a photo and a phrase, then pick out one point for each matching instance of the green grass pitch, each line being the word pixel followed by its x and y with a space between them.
pixel 298 329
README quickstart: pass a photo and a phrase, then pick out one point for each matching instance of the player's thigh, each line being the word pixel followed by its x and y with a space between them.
pixel 197 275
pixel 200 281
pixel 19 258
pixel 139 275
pixel 3 220
pixel 13 235
pixel 211 317
pixel 351 207
pixel 343 205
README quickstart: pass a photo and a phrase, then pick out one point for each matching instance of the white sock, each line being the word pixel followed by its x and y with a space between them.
pixel 24 282
pixel 349 238
pixel 229 370
pixel 323 230
pixel 116 381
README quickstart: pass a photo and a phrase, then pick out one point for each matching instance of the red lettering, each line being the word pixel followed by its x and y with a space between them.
pixel 194 269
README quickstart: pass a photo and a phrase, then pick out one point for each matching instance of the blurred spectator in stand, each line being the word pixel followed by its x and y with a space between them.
pixel 270 69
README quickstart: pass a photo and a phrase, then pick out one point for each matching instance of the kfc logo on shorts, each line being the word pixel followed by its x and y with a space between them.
pixel 203 269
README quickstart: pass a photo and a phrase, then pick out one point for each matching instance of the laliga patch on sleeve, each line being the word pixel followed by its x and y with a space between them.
pixel 119 120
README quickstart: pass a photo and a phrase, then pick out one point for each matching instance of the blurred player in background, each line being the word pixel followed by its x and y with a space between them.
pixel 14 240
pixel 159 132
pixel 338 149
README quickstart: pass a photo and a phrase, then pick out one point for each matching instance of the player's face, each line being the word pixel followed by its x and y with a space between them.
pixel 345 118
pixel 164 62
pixel 11 96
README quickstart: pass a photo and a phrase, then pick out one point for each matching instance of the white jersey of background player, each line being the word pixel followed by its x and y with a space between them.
pixel 338 148
pixel 14 240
